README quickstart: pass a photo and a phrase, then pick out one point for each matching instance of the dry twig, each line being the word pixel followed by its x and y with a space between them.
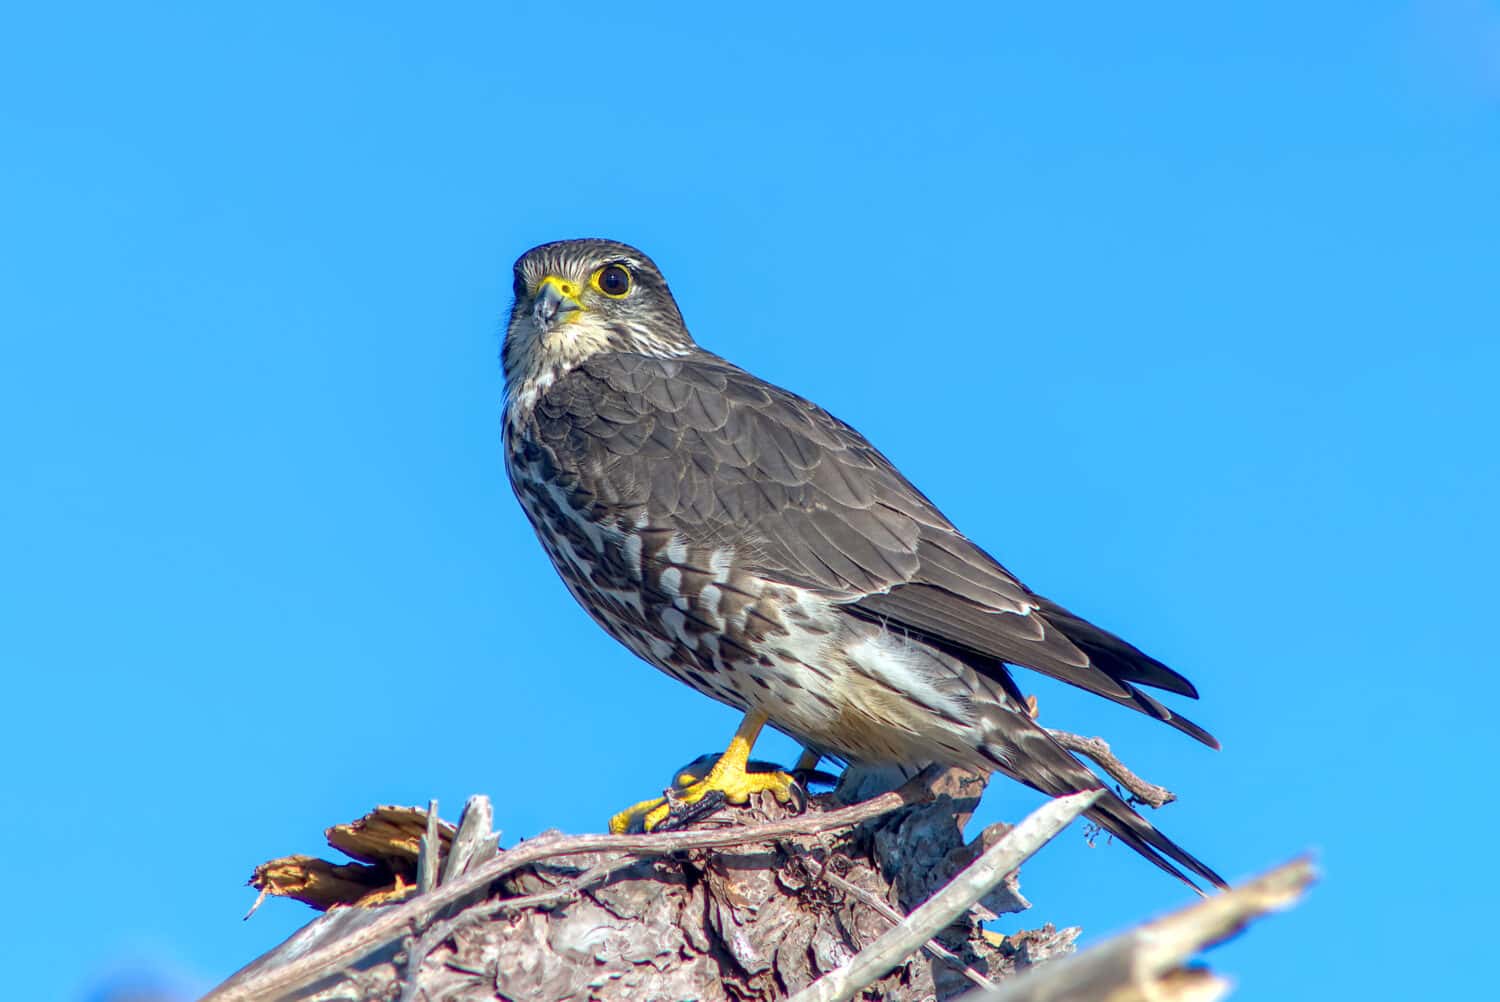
pixel 869 900
pixel 938 911
pixel 1098 750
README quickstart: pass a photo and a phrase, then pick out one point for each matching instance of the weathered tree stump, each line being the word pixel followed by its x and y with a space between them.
pixel 880 900
pixel 757 921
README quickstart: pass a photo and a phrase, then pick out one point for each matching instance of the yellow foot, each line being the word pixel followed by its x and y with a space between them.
pixel 731 778
pixel 689 791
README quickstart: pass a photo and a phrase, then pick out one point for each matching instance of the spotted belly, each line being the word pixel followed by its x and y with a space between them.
pixel 842 686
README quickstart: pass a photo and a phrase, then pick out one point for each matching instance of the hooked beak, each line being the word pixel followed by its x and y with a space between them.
pixel 556 301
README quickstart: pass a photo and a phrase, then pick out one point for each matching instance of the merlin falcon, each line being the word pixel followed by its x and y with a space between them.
pixel 745 541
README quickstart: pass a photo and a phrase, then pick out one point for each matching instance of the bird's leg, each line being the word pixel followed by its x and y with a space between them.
pixel 728 779
pixel 807 773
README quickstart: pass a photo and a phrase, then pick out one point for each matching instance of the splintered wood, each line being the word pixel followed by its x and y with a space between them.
pixel 385 843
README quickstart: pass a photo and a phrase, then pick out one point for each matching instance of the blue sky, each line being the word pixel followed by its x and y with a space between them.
pixel 1188 314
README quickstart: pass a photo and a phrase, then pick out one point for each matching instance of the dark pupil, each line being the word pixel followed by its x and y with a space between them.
pixel 614 280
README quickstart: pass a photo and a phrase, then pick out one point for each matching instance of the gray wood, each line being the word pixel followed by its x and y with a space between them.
pixel 736 911
pixel 1149 963
pixel 474 840
pixel 727 912
pixel 431 849
pixel 954 899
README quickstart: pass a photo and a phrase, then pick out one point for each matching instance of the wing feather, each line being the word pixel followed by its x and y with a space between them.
pixel 724 457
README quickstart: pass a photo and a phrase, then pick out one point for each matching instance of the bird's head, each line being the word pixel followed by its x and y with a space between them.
pixel 576 298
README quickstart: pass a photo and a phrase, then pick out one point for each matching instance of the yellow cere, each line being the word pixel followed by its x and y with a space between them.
pixel 568 289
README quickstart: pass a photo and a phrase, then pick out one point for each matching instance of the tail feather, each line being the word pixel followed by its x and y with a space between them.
pixel 1151 707
pixel 1025 752
pixel 1134 698
pixel 1117 658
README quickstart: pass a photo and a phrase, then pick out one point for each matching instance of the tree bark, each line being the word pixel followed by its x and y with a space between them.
pixel 756 903
pixel 758 920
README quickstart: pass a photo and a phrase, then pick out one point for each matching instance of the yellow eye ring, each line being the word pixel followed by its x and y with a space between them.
pixel 613 280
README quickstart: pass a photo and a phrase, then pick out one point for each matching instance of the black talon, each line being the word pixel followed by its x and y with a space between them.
pixel 681 814
pixel 800 795
pixel 809 777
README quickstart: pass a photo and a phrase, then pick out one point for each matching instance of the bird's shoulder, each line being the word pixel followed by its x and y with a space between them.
pixel 702 408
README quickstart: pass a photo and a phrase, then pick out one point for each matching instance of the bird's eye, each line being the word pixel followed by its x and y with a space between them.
pixel 613 280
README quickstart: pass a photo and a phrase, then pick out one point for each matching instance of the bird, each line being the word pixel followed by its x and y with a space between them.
pixel 748 543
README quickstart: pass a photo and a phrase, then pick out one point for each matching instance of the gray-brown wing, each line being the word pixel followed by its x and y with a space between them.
pixel 727 459
pixel 700 447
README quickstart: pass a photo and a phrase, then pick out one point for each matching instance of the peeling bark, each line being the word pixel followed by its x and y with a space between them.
pixel 757 921
pixel 755 904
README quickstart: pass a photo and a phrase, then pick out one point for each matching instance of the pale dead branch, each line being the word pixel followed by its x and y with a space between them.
pixel 1148 963
pixel 871 963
